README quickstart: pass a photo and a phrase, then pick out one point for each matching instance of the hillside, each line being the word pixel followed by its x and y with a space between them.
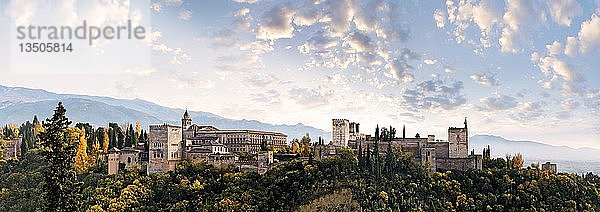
pixel 18 105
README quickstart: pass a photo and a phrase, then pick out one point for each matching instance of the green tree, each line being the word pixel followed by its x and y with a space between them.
pixel 60 179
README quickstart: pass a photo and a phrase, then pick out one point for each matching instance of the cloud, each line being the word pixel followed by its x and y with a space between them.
pixel 430 62
pixel 555 48
pixel 401 70
pixel 269 97
pixel 142 72
pixel 242 19
pixel 498 102
pixel 223 38
pixel 261 80
pixel 125 89
pixel 434 94
pixel 317 42
pixel 569 104
pixel 518 13
pixel 185 15
pixel 563 11
pixel 359 42
pixel 246 1
pixel 592 101
pixel 341 34
pixel 189 80
pixel 571 47
pixel 276 23
pixel 488 79
pixel 440 18
pixel 310 97
pixel 529 111
pixel 158 5
pixel 557 69
pixel 589 35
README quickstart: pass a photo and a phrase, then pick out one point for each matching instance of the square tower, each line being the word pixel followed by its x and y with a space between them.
pixel 458 142
pixel 165 148
pixel 340 133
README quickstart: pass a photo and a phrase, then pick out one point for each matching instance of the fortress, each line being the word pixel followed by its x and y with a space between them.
pixel 436 154
pixel 169 144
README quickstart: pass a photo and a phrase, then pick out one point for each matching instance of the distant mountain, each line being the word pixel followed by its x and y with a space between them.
pixel 18 105
pixel 574 160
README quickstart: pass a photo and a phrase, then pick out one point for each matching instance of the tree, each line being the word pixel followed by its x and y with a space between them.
pixel 128 136
pixel 60 180
pixel 81 157
pixel 517 161
pixel 138 128
pixel 295 146
pixel 105 140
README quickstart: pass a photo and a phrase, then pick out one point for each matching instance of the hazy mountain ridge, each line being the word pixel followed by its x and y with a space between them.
pixel 574 160
pixel 18 105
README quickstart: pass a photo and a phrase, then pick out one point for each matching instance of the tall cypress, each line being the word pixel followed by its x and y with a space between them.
pixel 60 179
pixel 376 162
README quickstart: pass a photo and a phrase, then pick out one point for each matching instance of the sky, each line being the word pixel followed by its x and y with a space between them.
pixel 520 69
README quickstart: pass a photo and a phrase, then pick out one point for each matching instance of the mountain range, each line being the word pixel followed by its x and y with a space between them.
pixel 18 105
pixel 568 159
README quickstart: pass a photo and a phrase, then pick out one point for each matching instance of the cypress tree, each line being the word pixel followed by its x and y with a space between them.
pixel 360 156
pixel 376 162
pixel 60 179
pixel 128 142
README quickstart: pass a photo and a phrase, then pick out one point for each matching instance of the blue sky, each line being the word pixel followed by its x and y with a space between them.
pixel 520 69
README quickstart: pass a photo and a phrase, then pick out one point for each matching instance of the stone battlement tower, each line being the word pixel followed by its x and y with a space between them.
pixel 458 142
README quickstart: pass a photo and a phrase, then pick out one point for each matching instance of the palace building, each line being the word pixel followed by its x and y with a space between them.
pixel 169 144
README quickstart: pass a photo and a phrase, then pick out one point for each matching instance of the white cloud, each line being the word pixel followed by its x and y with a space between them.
pixel 242 19
pixel 317 42
pixel 518 13
pixel 401 70
pixel 589 35
pixel 571 47
pixel 341 14
pixel 189 80
pixel 498 102
pixel 430 62
pixel 440 18
pixel 555 48
pixel 488 79
pixel 276 23
pixel 557 69
pixel 563 11
pixel 569 104
pixel 359 42
pixel 261 79
pixel 185 15
pixel 310 97
pixel 223 38
pixel 434 94
pixel 529 111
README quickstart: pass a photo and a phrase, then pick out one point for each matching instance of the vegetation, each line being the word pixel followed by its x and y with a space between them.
pixel 375 181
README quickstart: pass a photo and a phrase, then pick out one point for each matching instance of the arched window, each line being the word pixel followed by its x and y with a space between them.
pixel 128 160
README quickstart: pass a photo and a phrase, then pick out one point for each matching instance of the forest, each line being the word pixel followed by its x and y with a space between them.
pixel 54 174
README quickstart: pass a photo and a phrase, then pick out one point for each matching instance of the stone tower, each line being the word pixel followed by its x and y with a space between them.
pixel 113 161
pixel 186 122
pixel 340 133
pixel 458 142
